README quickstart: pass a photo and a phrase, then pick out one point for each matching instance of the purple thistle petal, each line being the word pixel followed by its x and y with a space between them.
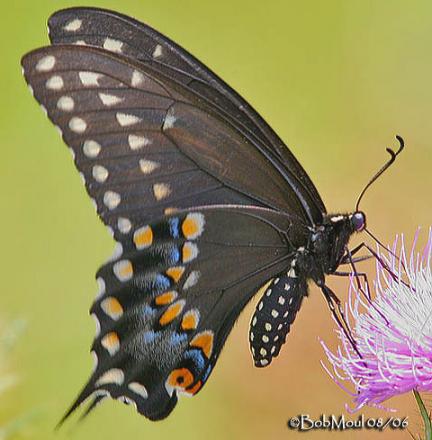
pixel 393 332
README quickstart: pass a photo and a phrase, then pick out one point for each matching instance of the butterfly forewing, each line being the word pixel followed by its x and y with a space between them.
pixel 141 141
pixel 170 297
pixel 139 41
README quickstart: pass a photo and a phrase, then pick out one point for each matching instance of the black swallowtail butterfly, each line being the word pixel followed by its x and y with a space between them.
pixel 204 200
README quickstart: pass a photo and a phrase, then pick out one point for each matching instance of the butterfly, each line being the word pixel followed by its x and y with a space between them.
pixel 205 202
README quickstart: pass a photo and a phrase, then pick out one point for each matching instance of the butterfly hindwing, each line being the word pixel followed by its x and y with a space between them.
pixel 170 297
pixel 117 32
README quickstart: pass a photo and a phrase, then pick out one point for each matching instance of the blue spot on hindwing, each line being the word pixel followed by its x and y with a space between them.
pixel 174 227
pixel 197 358
pixel 160 283
pixel 177 338
pixel 149 336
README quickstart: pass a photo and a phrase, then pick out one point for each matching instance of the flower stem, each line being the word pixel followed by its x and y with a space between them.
pixel 425 416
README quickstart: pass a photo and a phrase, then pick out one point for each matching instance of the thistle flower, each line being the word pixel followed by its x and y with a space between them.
pixel 393 331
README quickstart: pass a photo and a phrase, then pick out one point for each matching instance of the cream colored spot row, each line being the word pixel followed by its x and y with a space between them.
pixel 73 25
pixel 113 45
pixel 77 125
pixel 89 79
pixel 124 225
pixel 46 63
pixel 161 191
pixel 192 279
pixel 137 142
pixel 109 100
pixel 125 119
pixel 148 166
pixel 137 78
pixel 91 148
pixel 111 199
pixel 66 103
pixel 158 51
pixel 55 83
pixel 100 173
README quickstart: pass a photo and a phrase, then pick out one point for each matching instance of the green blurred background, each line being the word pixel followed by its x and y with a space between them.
pixel 336 79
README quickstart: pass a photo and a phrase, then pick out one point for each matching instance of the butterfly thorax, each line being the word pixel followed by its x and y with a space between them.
pixel 328 242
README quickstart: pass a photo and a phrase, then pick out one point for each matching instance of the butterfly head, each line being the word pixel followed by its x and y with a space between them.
pixel 358 221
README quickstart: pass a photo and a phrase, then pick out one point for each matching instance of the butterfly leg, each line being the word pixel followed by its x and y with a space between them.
pixel 335 306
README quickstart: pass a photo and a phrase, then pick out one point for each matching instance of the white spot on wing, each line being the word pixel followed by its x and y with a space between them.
pixel 125 119
pixel 161 191
pixel 46 63
pixel 54 83
pixel 139 389
pixel 89 79
pixel 158 51
pixel 77 125
pixel 124 225
pixel 192 279
pixel 73 25
pixel 169 121
pixel 137 78
pixel 95 360
pixel 137 142
pixel 111 199
pixel 111 344
pixel 97 325
pixel 101 287
pixel 109 100
pixel 113 45
pixel 123 270
pixel 65 103
pixel 148 166
pixel 115 375
pixel 80 43
pixel 91 148
pixel 100 173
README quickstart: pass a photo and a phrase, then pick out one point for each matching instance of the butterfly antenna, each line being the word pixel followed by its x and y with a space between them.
pixel 393 156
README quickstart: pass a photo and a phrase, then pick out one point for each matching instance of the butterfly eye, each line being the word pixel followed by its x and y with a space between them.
pixel 358 221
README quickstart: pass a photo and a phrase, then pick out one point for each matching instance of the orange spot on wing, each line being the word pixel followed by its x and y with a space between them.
pixel 190 320
pixel 111 342
pixel 143 237
pixel 175 272
pixel 204 341
pixel 165 298
pixel 171 312
pixel 180 378
pixel 194 389
pixel 112 307
pixel 189 252
pixel 192 225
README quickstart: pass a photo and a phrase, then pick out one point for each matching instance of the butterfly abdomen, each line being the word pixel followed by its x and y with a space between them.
pixel 274 315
